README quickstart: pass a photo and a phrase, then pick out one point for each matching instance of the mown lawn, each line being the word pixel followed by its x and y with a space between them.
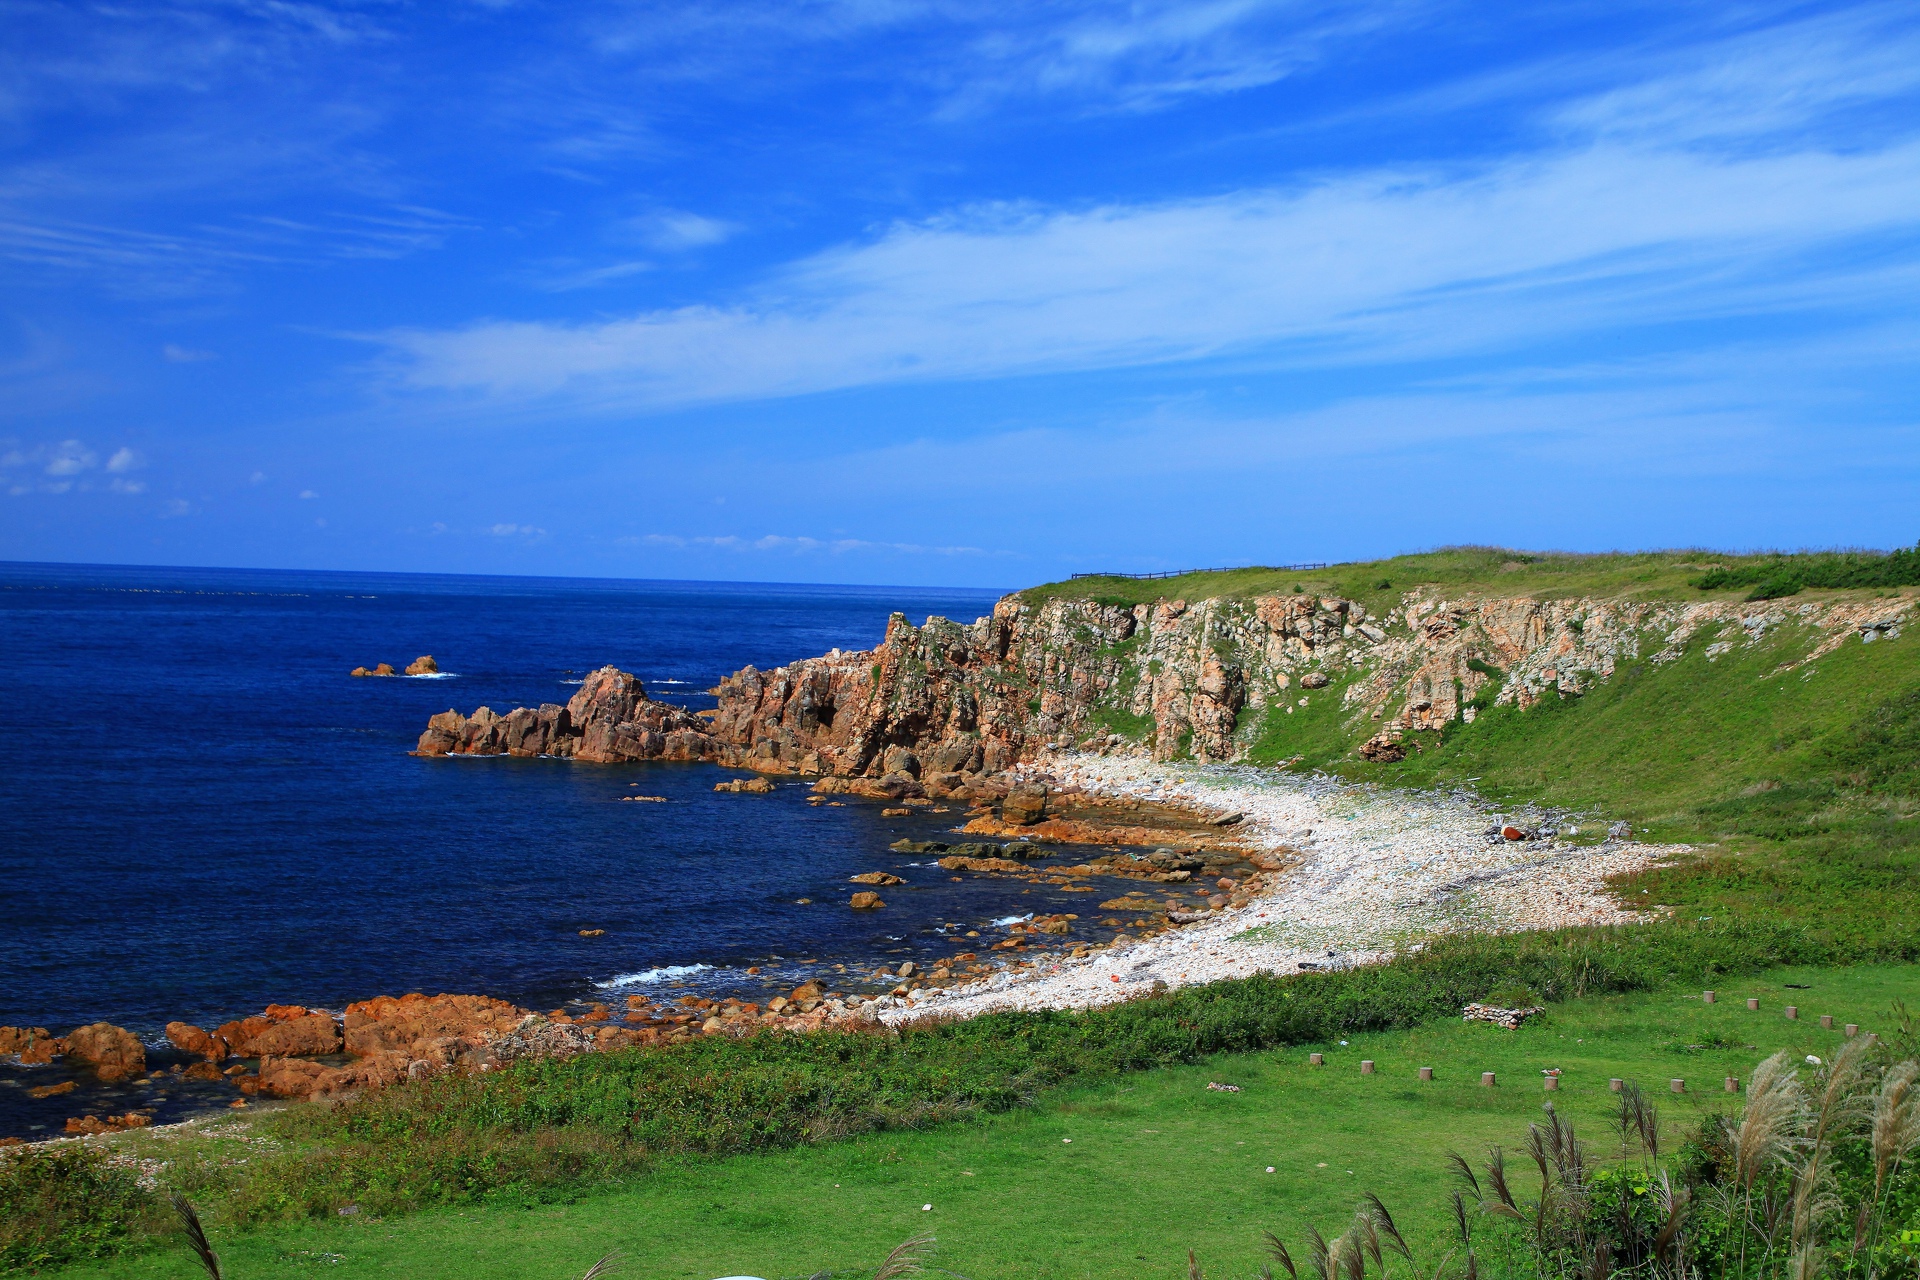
pixel 1117 1179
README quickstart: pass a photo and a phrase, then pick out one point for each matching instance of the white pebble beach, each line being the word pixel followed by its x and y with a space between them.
pixel 1372 871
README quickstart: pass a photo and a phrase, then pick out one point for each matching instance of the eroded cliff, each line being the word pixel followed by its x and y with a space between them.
pixel 943 705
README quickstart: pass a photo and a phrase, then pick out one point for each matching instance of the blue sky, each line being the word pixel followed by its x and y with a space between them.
pixel 933 292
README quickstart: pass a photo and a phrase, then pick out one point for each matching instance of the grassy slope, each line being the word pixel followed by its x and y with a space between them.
pixel 1803 786
pixel 1157 1163
pixel 1690 750
pixel 1640 575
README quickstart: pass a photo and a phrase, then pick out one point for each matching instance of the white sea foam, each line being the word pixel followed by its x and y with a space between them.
pixel 647 977
pixel 1004 921
pixel 435 675
pixel 664 681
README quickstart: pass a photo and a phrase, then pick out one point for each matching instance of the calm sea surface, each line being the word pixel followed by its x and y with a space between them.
pixel 201 812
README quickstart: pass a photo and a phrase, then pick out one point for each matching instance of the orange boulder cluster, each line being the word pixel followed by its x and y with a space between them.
pixel 424 665
pixel 88 1125
pixel 113 1053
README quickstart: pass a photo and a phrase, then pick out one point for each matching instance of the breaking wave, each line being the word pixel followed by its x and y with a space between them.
pixel 647 977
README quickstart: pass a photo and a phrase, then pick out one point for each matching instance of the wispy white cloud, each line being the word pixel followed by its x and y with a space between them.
pixel 1145 56
pixel 1779 82
pixel 796 545
pixel 672 230
pixel 1381 265
pixel 1093 54
pixel 70 458
pixel 68 466
pixel 568 277
pixel 516 531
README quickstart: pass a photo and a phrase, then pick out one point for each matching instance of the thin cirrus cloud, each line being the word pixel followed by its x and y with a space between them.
pixel 1102 54
pixel 796 545
pixel 675 231
pixel 1142 57
pixel 1700 187
pixel 1385 265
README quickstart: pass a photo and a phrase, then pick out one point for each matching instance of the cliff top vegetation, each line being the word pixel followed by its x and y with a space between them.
pixel 1680 574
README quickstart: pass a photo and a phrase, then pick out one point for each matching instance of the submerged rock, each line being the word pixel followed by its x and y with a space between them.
pixel 188 1038
pixel 114 1053
pixel 34 1046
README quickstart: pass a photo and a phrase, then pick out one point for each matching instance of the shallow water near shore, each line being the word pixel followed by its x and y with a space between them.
pixel 202 812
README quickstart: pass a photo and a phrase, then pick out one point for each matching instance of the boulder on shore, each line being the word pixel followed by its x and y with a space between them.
pixel 87 1126
pixel 35 1046
pixel 746 786
pixel 114 1053
pixel 188 1038
pixel 609 719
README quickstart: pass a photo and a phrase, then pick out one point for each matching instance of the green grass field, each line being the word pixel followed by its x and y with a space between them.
pixel 1801 791
pixel 1118 1179
pixel 1637 575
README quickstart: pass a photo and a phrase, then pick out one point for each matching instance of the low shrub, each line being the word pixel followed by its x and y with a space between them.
pixel 1789 575
pixel 63 1203
pixel 551 1129
pixel 546 1126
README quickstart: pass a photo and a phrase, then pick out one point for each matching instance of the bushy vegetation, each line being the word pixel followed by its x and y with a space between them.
pixel 1810 1176
pixel 1778 576
pixel 65 1203
pixel 552 1129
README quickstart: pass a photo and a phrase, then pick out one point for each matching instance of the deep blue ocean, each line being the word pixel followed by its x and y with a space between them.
pixel 202 812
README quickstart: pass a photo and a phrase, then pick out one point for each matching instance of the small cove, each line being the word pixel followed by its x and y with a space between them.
pixel 204 813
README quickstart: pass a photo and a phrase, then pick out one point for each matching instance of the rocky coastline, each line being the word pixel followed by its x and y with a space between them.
pixel 1247 872
pixel 1199 863
pixel 945 709
pixel 1067 722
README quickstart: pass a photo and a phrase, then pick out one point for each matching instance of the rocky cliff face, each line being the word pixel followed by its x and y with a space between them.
pixel 940 706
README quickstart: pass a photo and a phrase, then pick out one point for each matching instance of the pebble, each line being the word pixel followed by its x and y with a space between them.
pixel 1371 866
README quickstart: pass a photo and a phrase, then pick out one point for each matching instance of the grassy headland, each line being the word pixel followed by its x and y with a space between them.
pixel 1802 788
pixel 1545 575
pixel 1802 785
